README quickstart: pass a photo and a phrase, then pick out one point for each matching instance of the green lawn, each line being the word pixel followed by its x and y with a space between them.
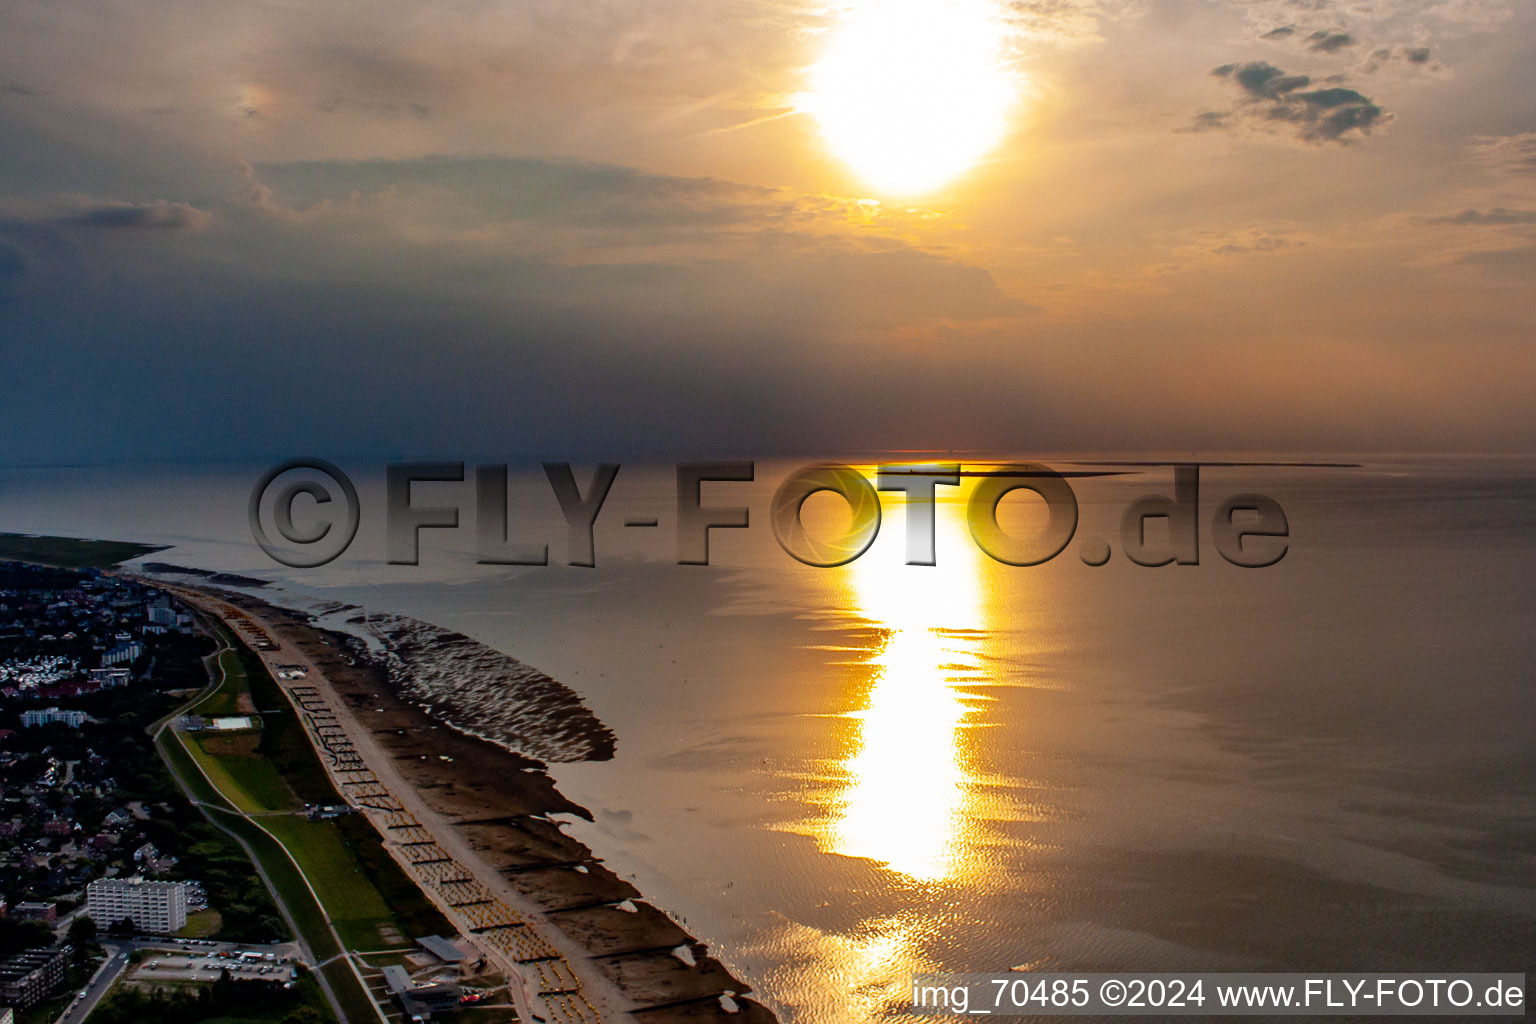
pixel 341 858
pixel 201 924
pixel 354 903
pixel 248 780
pixel 236 762
pixel 185 766
pixel 289 883
pixel 284 876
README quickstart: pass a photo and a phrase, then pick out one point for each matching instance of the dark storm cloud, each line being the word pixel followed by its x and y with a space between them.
pixel 501 304
pixel 587 232
pixel 1270 97
pixel 399 365
pixel 1283 32
pixel 596 229
pixel 157 215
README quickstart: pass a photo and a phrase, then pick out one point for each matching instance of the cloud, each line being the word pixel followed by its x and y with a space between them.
pixel 574 212
pixel 1206 249
pixel 553 293
pixel 600 233
pixel 14 88
pixel 1520 259
pixel 1472 15
pixel 1323 41
pixel 1496 238
pixel 1261 80
pixel 584 239
pixel 1208 121
pixel 1065 21
pixel 1403 33
pixel 1270 97
pixel 1498 216
pixel 1413 58
pixel 158 215
pixel 1513 155
pixel 1376 19
pixel 1261 243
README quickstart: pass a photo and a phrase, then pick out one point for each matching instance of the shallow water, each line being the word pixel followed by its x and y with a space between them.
pixel 838 776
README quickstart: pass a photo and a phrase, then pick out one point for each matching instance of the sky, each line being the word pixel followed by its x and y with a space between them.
pixel 662 228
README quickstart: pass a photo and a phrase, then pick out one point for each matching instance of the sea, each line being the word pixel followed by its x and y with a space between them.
pixel 839 776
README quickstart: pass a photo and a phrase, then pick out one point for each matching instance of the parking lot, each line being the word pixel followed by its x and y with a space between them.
pixel 167 965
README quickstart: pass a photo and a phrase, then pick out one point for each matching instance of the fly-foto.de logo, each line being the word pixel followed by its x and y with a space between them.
pixel 313 511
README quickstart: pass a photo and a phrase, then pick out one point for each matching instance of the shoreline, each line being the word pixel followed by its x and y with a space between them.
pixel 469 822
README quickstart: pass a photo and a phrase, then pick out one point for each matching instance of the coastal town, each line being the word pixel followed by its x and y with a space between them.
pixel 106 869
pixel 195 825
pixel 101 858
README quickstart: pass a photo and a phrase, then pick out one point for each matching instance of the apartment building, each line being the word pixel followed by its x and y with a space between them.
pixel 159 908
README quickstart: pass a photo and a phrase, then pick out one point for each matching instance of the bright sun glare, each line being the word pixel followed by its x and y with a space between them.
pixel 911 93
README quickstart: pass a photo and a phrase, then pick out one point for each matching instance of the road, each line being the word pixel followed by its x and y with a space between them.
pixel 158 733
pixel 101 981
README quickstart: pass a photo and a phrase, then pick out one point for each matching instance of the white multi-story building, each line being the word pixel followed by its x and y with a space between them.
pixel 159 908
pixel 49 716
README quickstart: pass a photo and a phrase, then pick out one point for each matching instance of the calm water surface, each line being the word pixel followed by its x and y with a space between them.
pixel 836 777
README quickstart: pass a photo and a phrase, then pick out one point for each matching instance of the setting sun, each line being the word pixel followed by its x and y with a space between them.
pixel 912 93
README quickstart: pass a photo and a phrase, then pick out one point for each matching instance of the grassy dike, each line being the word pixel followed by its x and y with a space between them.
pixel 333 879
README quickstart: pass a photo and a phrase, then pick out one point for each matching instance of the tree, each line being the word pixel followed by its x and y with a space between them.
pixel 16 936
pixel 82 931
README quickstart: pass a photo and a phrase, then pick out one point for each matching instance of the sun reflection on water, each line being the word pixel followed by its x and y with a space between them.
pixel 904 792
pixel 908 791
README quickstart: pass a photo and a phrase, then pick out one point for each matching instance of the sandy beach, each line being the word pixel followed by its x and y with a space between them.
pixel 470 823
